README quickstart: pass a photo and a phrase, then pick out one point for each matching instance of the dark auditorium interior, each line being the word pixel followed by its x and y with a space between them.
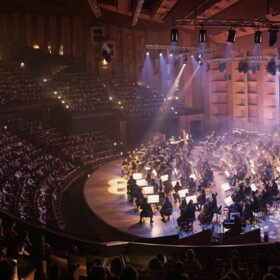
pixel 140 139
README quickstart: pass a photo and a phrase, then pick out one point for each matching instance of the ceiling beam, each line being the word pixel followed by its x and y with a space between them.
pixel 95 8
pixel 137 12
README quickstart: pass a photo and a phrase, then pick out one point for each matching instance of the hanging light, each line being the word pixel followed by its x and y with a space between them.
pixel 272 37
pixel 258 37
pixel 231 36
pixel 202 36
pixel 174 34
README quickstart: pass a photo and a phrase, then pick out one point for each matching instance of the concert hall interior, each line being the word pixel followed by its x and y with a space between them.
pixel 139 139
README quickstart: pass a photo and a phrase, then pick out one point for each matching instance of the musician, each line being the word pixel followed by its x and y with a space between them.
pixel 166 209
pixel 155 186
pixel 255 201
pixel 176 189
pixel 146 211
pixel 139 198
pixel 131 187
pixel 201 199
pixel 192 186
pixel 212 207
pixel 187 214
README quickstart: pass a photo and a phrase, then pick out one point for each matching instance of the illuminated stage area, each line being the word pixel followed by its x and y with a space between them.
pixel 105 194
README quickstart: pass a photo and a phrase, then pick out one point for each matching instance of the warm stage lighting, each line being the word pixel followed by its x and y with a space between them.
pixel 174 35
pixel 258 37
pixel 272 37
pixel 202 36
pixel 231 36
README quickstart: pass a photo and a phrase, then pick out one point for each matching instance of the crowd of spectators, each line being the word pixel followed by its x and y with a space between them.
pixel 23 253
pixel 17 85
pixel 82 92
pixel 39 161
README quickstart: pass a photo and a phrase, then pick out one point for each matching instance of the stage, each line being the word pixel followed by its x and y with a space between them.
pixel 105 194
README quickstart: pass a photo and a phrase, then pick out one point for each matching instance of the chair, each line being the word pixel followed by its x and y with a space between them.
pixel 168 212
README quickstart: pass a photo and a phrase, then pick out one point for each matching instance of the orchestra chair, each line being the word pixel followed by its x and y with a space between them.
pixel 188 225
pixel 62 263
pixel 169 212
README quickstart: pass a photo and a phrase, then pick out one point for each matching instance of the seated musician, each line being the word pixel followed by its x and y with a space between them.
pixel 132 188
pixel 166 209
pixel 139 198
pixel 212 207
pixel 177 188
pixel 201 199
pixel 155 186
pixel 255 201
pixel 192 186
pixel 187 215
pixel 146 211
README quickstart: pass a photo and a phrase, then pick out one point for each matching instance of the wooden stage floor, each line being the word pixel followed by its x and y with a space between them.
pixel 105 195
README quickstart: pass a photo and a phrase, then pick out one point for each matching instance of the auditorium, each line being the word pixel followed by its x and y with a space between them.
pixel 140 139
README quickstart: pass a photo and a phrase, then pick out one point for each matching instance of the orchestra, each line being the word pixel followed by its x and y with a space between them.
pixel 250 166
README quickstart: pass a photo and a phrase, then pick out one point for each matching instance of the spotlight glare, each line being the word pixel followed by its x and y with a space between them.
pixel 147 53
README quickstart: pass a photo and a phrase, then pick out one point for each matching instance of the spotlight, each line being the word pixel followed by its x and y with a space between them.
pixel 231 36
pixel 160 53
pixel 258 37
pixel 147 53
pixel 174 35
pixel 272 37
pixel 202 36
pixel 271 67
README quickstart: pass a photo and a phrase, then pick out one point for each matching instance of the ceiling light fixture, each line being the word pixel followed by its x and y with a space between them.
pixel 231 36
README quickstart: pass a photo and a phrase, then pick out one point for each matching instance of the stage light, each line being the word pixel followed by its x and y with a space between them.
pixel 231 36
pixel 174 35
pixel 147 53
pixel 271 67
pixel 258 37
pixel 160 53
pixel 202 36
pixel 272 37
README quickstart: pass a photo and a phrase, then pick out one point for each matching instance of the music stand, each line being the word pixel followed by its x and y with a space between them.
pixel 148 190
pixel 142 182
pixel 193 176
pixel 137 176
pixel 164 178
pixel 192 197
pixel 153 198
pixel 228 201
pixel 182 193
pixel 227 173
pixel 253 187
pixel 174 183
pixel 154 172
